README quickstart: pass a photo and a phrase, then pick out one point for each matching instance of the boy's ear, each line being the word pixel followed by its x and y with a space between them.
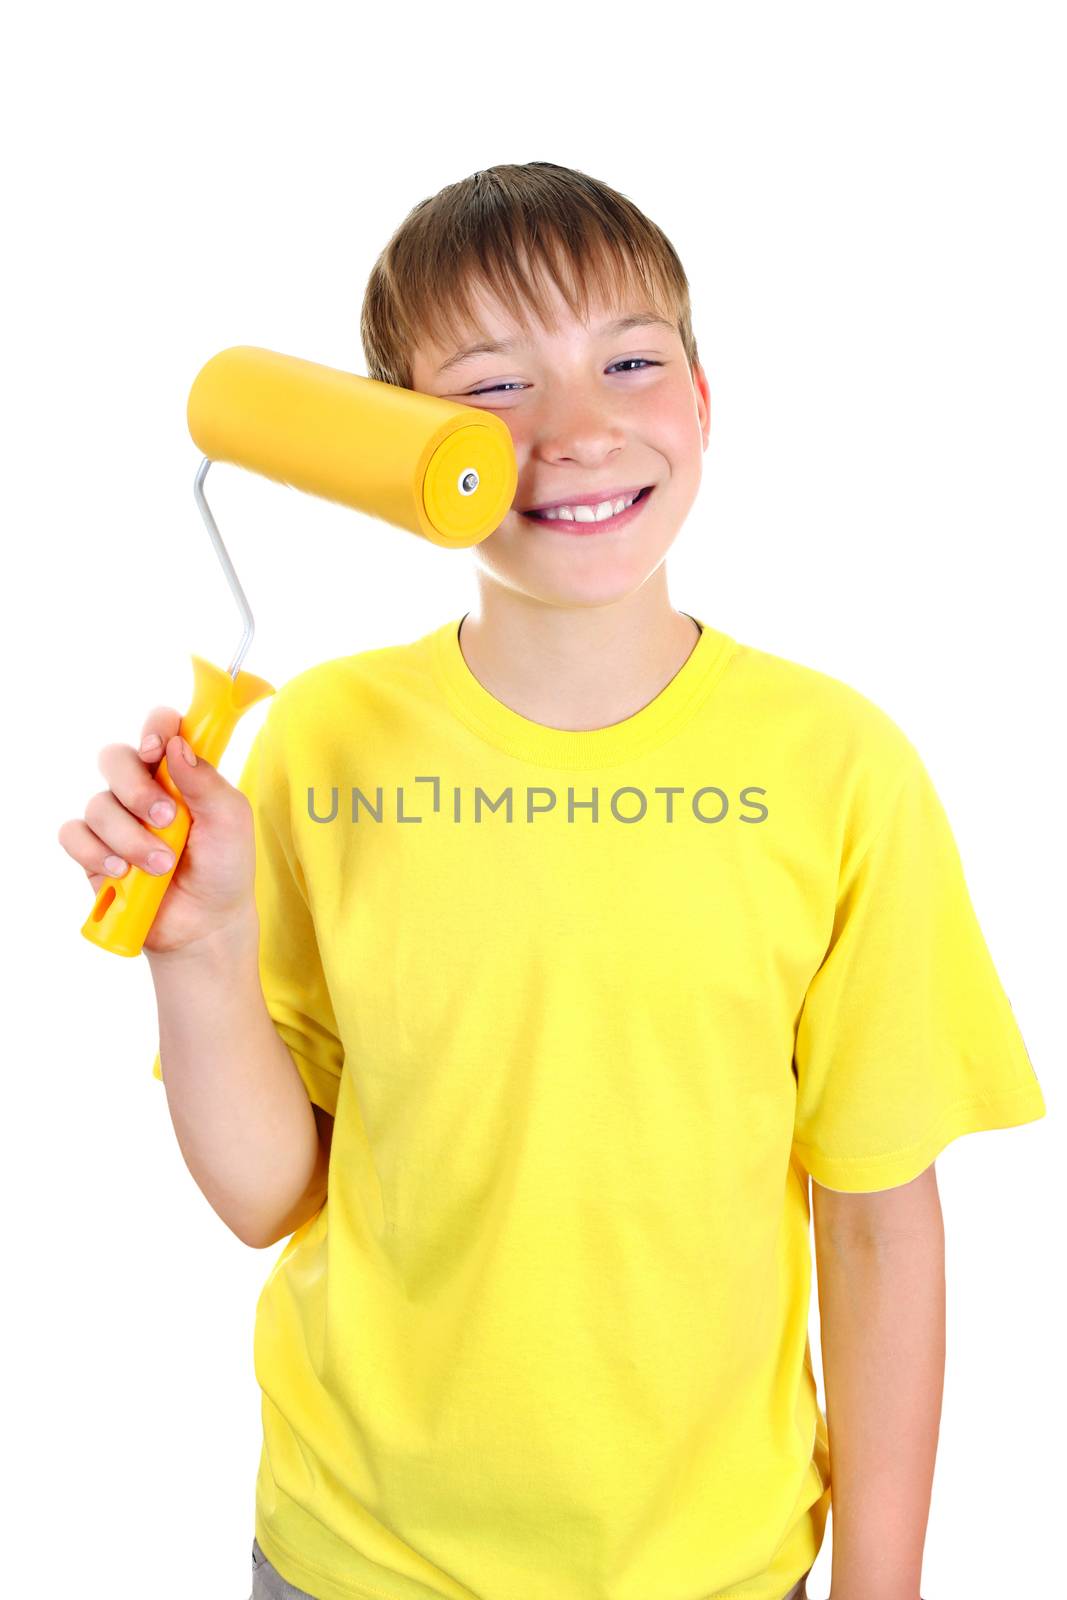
pixel 703 399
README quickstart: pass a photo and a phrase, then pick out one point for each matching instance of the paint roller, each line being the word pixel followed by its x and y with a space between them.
pixel 443 471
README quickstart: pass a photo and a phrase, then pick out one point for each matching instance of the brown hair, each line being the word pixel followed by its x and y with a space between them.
pixel 581 232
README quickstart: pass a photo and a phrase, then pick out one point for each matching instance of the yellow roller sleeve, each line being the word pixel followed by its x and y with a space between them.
pixel 441 470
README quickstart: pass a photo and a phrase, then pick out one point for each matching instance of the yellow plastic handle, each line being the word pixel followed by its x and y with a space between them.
pixel 125 908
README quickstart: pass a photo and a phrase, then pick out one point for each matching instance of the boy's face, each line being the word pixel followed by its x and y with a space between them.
pixel 590 413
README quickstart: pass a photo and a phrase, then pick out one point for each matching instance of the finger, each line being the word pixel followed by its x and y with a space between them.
pixel 161 724
pixel 91 853
pixel 122 835
pixel 134 786
pixel 96 856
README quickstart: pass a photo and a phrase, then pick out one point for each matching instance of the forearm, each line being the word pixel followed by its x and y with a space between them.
pixel 241 1113
pixel 882 1311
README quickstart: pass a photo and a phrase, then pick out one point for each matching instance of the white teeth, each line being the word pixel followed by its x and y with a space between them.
pixel 600 513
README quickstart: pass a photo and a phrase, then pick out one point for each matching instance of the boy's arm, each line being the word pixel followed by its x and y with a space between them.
pixel 240 1109
pixel 881 1274
pixel 314 1196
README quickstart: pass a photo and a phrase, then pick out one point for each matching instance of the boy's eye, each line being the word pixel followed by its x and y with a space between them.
pixel 626 361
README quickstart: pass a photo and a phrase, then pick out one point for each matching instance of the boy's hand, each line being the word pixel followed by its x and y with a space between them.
pixel 212 888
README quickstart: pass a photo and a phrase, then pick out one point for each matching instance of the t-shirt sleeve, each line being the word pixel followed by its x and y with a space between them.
pixel 906 1038
pixel 290 965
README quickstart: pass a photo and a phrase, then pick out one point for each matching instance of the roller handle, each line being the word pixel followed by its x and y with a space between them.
pixel 125 908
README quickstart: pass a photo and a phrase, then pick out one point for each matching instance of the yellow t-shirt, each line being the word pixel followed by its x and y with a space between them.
pixel 588 1008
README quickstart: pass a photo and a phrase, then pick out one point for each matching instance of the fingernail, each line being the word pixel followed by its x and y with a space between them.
pixel 151 742
pixel 161 812
pixel 114 866
pixel 187 753
pixel 160 861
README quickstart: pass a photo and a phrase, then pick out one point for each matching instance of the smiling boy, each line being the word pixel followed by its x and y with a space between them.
pixel 680 927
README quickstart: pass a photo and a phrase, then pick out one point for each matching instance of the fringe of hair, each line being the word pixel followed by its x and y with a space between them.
pixel 507 229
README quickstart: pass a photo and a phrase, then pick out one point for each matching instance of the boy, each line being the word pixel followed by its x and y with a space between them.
pixel 616 932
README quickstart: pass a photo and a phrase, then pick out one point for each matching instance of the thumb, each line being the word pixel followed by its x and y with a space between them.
pixel 195 777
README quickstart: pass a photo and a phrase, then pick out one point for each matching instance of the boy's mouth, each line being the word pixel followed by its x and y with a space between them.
pixel 580 521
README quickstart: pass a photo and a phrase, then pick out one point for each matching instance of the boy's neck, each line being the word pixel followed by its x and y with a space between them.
pixel 577 667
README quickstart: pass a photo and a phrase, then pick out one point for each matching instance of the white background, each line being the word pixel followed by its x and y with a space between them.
pixel 869 203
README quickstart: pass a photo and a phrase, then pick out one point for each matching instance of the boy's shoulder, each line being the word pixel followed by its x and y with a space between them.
pixel 787 698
